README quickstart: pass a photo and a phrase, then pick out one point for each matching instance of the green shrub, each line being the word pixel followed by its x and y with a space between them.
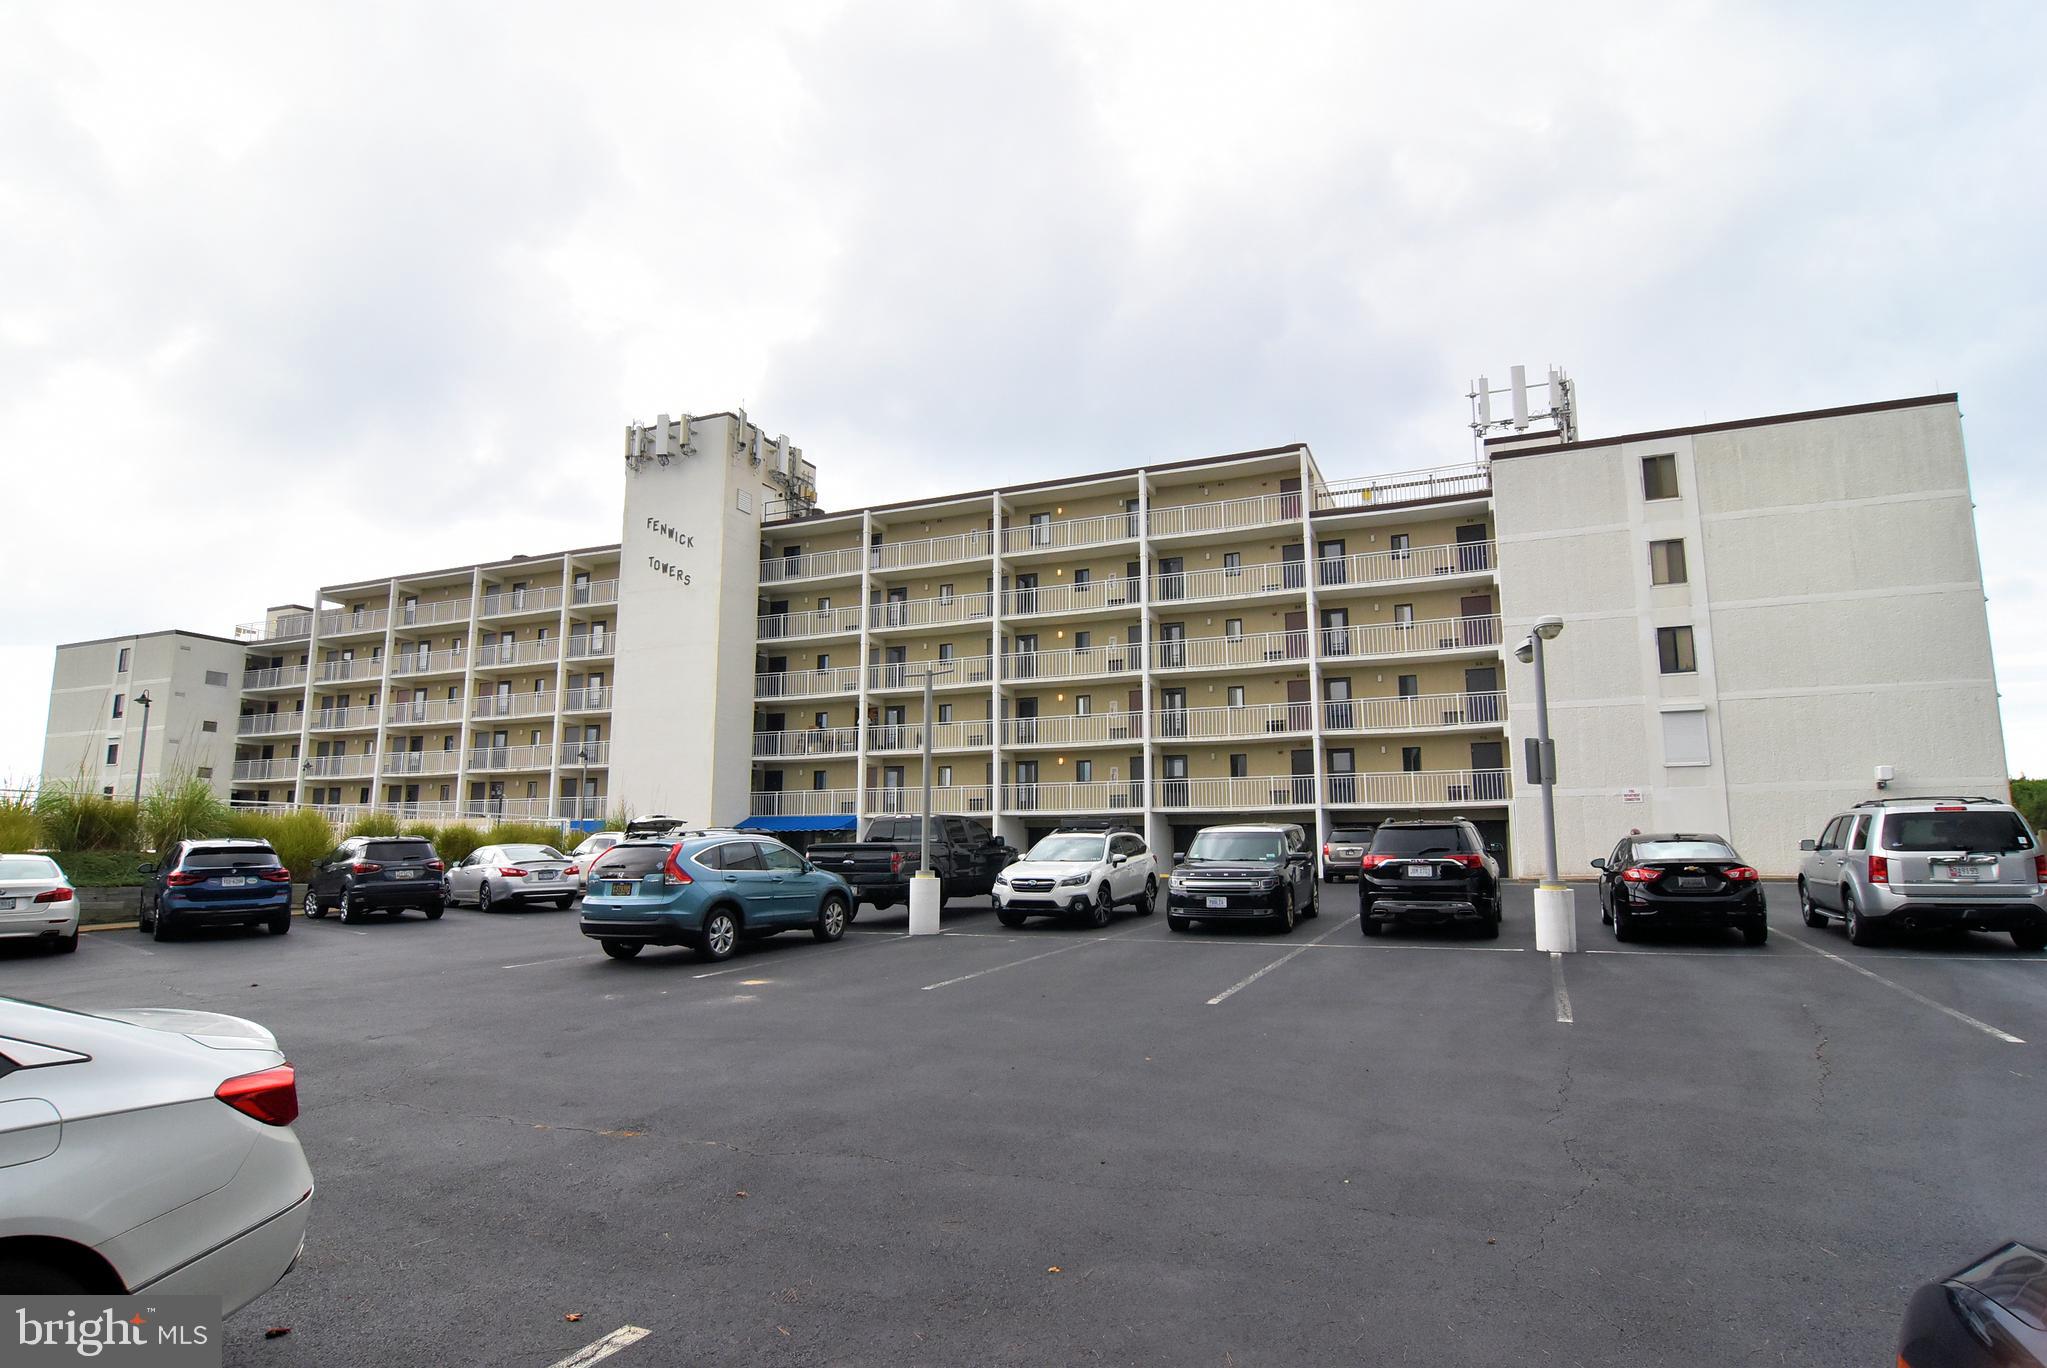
pixel 75 816
pixel 2029 796
pixel 456 841
pixel 619 817
pixel 299 836
pixel 527 833
pixel 103 868
pixel 19 829
pixel 181 808
pixel 372 824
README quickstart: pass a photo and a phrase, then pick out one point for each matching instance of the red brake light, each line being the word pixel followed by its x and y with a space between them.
pixel 895 862
pixel 672 868
pixel 1325 850
pixel 365 867
pixel 1879 869
pixel 178 878
pixel 1372 861
pixel 1641 874
pixel 437 866
pixel 1739 874
pixel 1949 807
pixel 275 874
pixel 570 870
pixel 55 895
pixel 269 1095
pixel 1468 860
pixel 512 871
pixel 2040 869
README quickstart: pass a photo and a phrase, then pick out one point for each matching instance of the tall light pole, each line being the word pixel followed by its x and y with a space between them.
pixel 926 889
pixel 1556 925
pixel 582 778
pixel 142 749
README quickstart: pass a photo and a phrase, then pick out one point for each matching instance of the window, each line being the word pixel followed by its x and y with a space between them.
pixel 121 662
pixel 823 722
pixel 945 776
pixel 945 650
pixel 1659 477
pixel 1860 841
pixel 817 780
pixel 1411 759
pixel 1083 641
pixel 1403 615
pixel 1667 562
pixel 824 660
pixel 217 678
pixel 945 593
pixel 1233 628
pixel 780 858
pixel 113 752
pixel 1240 766
pixel 107 791
pixel 205 771
pixel 1233 563
pixel 1674 651
pixel 1084 771
pixel 945 712
pixel 1399 542
pixel 1083 578
pixel 1083 704
pixel 1410 686
pixel 1685 741
pixel 1236 695
pixel 120 705
pixel 209 726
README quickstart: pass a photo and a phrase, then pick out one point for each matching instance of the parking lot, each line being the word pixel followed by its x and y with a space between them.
pixel 1056 1145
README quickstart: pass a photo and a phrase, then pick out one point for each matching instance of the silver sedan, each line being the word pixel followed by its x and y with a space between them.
pixel 501 876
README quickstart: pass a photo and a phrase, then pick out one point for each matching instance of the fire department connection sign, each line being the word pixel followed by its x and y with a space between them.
pixel 1633 795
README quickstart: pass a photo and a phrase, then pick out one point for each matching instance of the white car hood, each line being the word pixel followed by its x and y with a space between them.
pixel 1048 869
pixel 214 1029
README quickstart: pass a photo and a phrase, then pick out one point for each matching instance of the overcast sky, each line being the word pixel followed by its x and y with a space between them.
pixel 294 294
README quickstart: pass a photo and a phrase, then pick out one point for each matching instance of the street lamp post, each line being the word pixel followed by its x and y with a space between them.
pixel 582 778
pixel 142 749
pixel 926 890
pixel 1556 924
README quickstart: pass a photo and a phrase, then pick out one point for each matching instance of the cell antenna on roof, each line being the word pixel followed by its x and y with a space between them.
pixel 1559 390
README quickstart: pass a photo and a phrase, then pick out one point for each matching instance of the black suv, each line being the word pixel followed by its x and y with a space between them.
pixel 1240 873
pixel 216 883
pixel 366 874
pixel 1429 874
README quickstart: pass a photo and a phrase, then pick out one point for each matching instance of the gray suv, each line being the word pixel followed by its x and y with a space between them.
pixel 1927 864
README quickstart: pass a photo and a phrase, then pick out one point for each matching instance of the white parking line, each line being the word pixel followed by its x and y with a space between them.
pixel 558 959
pixel 998 968
pixel 1241 984
pixel 1919 998
pixel 604 1348
pixel 1563 994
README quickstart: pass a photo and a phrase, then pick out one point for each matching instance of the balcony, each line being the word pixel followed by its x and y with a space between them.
pixel 366 622
pixel 1230 582
pixel 343 671
pixel 1233 724
pixel 1055 600
pixel 501 808
pixel 596 592
pixel 1418 788
pixel 815 622
pixel 341 766
pixel 420 712
pixel 269 724
pixel 287 627
pixel 399 763
pixel 1225 515
pixel 545 598
pixel 499 654
pixel 1479 633
pixel 1256 792
pixel 809 683
pixel 594 698
pixel 1089 662
pixel 1399 567
pixel 1075 796
pixel 947 798
pixel 813 565
pixel 967 671
pixel 907 555
pixel 1207 653
pixel 1070 729
pixel 592 645
pixel 908 737
pixel 1413 486
pixel 485 759
pixel 425 662
pixel 1069 534
pixel 1414 713
pixel 804 803
pixel 804 744
pixel 539 703
pixel 433 614
pixel 585 754
pixel 344 719
pixel 931 612
pixel 259 770
pixel 277 677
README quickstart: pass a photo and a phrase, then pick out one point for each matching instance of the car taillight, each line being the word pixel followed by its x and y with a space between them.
pixel 569 871
pixel 895 862
pixel 672 869
pixel 512 871
pixel 1879 869
pixel 1325 850
pixel 1641 874
pixel 54 895
pixel 1373 861
pixel 178 878
pixel 1469 861
pixel 269 1095
pixel 365 867
pixel 2040 869
pixel 277 875
pixel 437 866
pixel 1739 874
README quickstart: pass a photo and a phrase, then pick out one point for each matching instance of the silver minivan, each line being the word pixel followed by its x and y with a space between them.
pixel 1927 864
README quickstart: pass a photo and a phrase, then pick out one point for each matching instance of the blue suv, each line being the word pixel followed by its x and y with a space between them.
pixel 708 891
pixel 216 883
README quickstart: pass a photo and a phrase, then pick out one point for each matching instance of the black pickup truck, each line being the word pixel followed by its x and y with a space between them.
pixel 965 854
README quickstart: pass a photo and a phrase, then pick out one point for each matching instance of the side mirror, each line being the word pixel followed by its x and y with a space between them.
pixel 1179 857
pixel 1495 848
pixel 1599 863
pixel 1808 845
pixel 145 869
pixel 1119 859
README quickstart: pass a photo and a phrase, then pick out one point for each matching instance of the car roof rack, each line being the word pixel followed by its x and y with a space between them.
pixel 1927 798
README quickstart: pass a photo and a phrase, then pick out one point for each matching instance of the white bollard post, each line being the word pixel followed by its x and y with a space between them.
pixel 1556 920
pixel 924 901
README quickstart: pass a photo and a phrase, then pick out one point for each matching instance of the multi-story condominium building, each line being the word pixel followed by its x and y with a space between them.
pixel 1243 635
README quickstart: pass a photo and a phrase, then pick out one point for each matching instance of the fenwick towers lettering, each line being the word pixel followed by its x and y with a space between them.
pixel 680 538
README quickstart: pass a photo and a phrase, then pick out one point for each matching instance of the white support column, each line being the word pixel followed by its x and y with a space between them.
pixel 384 692
pixel 998 716
pixel 860 698
pixel 561 669
pixel 1152 821
pixel 305 746
pixel 1314 578
pixel 472 629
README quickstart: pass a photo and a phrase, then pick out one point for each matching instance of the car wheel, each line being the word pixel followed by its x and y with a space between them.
pixel 621 949
pixel 433 911
pixel 145 918
pixel 1150 902
pixel 1283 921
pixel 1806 908
pixel 1859 928
pixel 483 896
pixel 1489 929
pixel 1314 900
pixel 160 925
pixel 720 936
pixel 2032 941
pixel 1621 930
pixel 564 903
pixel 1009 917
pixel 68 945
pixel 1174 923
pixel 1104 907
pixel 310 905
pixel 351 914
pixel 831 918
pixel 280 924
pixel 1756 932
pixel 1367 927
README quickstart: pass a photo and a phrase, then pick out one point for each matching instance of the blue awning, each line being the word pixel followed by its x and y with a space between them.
pixel 841 822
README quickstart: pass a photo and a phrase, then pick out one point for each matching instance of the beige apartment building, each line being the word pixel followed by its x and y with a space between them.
pixel 1241 636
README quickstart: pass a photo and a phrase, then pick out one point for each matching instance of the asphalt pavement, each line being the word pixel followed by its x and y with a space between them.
pixel 1057 1145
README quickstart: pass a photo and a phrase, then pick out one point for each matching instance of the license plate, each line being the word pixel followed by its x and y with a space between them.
pixel 6 904
pixel 621 890
pixel 1686 884
pixel 1966 873
pixel 547 874
pixel 235 881
pixel 1421 871
pixel 1218 902
pixel 404 873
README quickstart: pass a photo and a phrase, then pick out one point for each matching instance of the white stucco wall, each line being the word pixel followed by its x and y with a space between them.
pixel 173 668
pixel 1836 601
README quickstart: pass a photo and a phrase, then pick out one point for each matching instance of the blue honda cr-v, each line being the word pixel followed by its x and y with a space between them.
pixel 708 891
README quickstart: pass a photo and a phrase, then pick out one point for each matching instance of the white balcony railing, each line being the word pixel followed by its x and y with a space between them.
pixel 908 737
pixel 804 803
pixel 1232 724
pixel 945 798
pixel 808 683
pixel 1410 638
pixel 502 808
pixel 904 555
pixel 810 565
pixel 341 766
pixel 285 627
pixel 343 719
pixel 592 645
pixel 1225 515
pixel 539 703
pixel 1397 567
pixel 592 698
pixel 546 598
pixel 809 623
pixel 1253 648
pixel 420 762
pixel 1097 795
pixel 1068 534
pixel 597 591
pixel 341 671
pixel 967 671
pixel 421 661
pixel 1229 582
pixel 1093 596
pixel 420 712
pixel 497 654
pixel 1415 713
pixel 1413 486
pixel 1257 791
pixel 336 622
pixel 803 744
pixel 931 612
pixel 432 614
pixel 1090 662
pixel 486 758
pixel 276 677
pixel 1073 729
pixel 584 754
pixel 266 769
pixel 269 724
pixel 1418 788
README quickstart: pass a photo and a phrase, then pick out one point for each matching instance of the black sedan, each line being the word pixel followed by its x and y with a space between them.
pixel 1680 879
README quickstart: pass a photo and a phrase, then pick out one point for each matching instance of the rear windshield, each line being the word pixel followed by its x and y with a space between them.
pixel 516 853
pixel 1973 831
pixel 387 851
pixel 27 867
pixel 1237 845
pixel 1059 848
pixel 1683 850
pixel 238 857
pixel 1442 840
pixel 1350 835
pixel 629 861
